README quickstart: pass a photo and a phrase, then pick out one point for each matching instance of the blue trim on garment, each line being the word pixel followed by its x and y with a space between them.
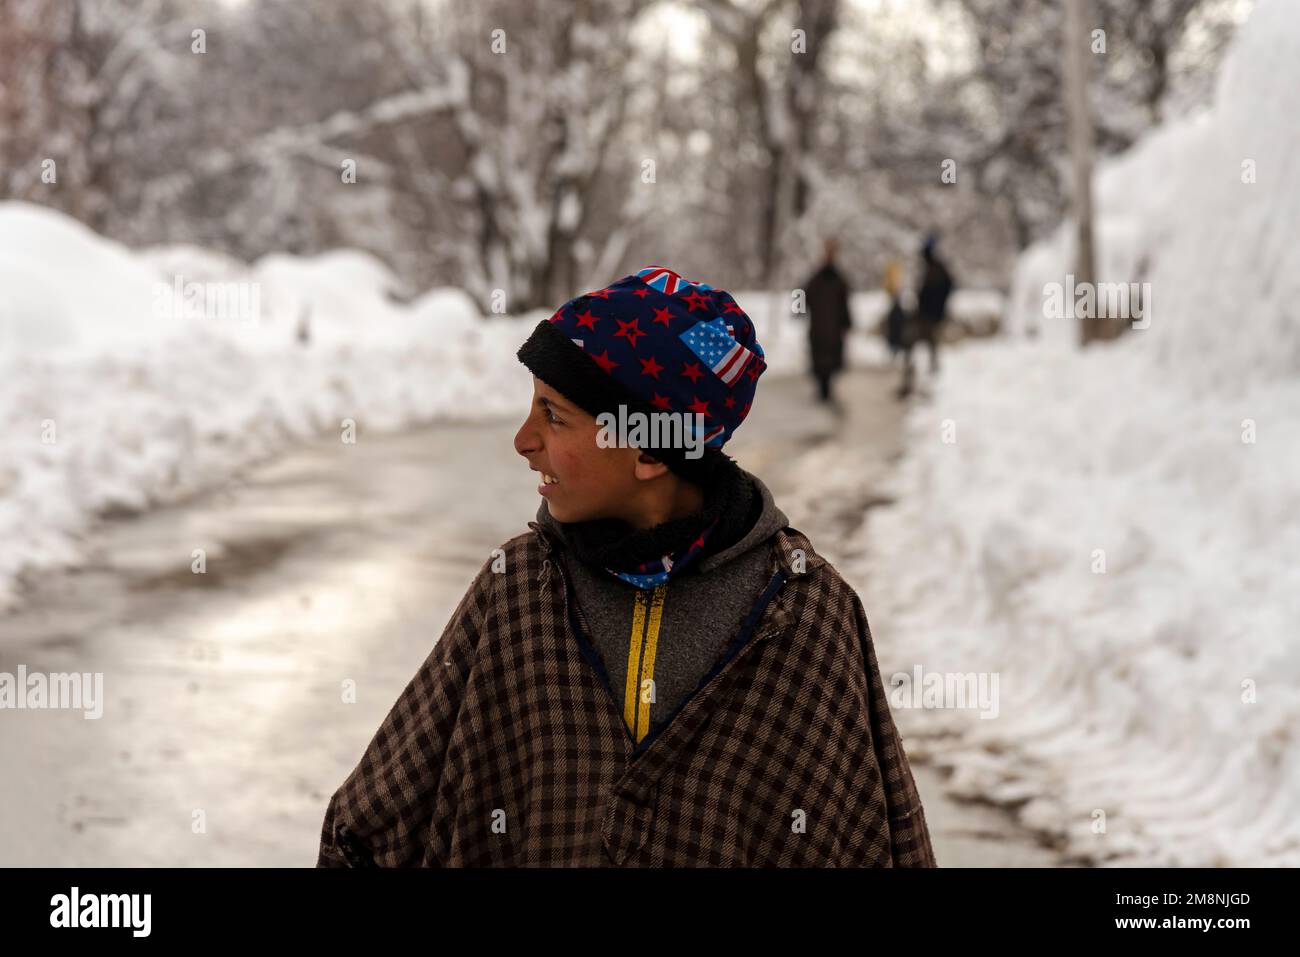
pixel 733 648
pixel 649 580
pixel 586 646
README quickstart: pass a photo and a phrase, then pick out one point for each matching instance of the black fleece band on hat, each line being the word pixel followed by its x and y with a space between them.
pixel 551 356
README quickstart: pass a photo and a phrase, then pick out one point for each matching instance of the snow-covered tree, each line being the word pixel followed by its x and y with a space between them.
pixel 83 86
pixel 1013 88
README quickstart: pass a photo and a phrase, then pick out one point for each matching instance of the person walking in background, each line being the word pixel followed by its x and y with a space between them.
pixel 829 319
pixel 931 311
pixel 896 317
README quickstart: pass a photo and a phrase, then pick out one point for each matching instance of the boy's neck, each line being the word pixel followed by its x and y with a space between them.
pixel 676 500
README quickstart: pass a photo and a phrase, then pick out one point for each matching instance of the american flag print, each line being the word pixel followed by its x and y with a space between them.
pixel 712 342
pixel 667 281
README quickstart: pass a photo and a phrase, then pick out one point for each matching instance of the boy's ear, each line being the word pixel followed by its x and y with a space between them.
pixel 648 467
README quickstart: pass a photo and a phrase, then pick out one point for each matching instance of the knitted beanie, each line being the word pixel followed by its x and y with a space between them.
pixel 655 342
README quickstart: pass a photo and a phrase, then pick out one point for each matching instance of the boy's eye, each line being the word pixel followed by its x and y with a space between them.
pixel 550 415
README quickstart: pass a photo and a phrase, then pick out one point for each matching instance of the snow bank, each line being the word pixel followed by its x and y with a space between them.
pixel 113 407
pixel 1114 532
pixel 68 289
pixel 1126 565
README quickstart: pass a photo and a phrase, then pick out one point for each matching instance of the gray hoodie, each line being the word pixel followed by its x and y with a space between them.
pixel 672 635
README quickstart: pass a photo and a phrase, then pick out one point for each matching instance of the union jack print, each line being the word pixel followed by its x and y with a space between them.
pixel 667 281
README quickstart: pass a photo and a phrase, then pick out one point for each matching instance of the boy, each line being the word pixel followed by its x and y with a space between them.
pixel 661 672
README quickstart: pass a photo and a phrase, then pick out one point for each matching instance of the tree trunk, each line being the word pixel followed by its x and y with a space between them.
pixel 1080 138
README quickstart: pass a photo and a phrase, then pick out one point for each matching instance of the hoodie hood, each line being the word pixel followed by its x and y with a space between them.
pixel 770 520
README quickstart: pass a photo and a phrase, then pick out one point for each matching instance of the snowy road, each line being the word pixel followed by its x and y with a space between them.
pixel 225 727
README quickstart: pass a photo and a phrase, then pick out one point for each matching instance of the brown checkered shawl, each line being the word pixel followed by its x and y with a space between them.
pixel 507 748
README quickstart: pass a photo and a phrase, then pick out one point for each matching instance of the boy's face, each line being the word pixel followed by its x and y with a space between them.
pixel 559 439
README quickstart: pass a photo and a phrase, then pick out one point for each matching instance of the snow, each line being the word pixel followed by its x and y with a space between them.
pixel 68 289
pixel 113 408
pixel 1102 529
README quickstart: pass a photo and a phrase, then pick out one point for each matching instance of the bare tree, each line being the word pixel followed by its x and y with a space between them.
pixel 80 84
pixel 544 96
pixel 1019 134
pixel 1074 41
pixel 783 101
pixel 1151 33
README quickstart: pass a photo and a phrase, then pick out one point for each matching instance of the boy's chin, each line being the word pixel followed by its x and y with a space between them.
pixel 569 513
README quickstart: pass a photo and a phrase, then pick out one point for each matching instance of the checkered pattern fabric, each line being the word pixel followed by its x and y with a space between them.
pixel 508 748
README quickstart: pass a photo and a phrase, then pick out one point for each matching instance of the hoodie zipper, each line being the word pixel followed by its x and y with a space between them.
pixel 744 638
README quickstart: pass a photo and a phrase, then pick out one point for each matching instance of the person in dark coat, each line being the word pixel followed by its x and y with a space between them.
pixel 931 311
pixel 829 319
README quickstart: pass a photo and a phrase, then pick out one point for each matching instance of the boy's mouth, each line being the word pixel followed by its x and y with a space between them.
pixel 548 482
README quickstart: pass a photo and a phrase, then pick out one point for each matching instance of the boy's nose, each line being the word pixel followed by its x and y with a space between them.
pixel 526 439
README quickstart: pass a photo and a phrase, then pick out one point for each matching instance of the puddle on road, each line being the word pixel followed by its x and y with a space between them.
pixel 226 563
